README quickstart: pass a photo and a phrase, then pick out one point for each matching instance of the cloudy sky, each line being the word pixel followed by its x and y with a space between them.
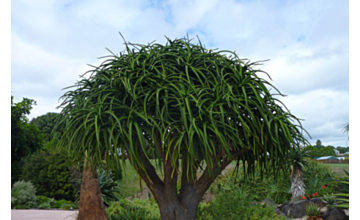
pixel 306 41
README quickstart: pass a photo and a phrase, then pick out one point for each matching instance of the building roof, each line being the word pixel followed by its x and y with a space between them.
pixel 326 158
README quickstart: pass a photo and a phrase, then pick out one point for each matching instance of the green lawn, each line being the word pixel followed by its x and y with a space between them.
pixel 340 165
pixel 338 168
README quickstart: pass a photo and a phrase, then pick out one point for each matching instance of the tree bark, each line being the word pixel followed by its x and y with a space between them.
pixel 91 206
pixel 297 183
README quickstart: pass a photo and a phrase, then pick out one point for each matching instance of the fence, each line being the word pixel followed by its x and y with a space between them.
pixel 333 161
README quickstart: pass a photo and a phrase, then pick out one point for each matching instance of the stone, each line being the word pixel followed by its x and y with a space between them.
pixel 335 214
pixel 269 202
pixel 318 201
pixel 294 209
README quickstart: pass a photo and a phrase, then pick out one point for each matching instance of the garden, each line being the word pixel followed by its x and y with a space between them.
pixel 196 131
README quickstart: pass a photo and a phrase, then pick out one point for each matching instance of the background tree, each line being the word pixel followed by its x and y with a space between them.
pixel 46 123
pixel 51 173
pixel 25 138
pixel 208 106
pixel 297 163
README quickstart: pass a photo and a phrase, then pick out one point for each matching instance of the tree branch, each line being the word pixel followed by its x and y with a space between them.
pixel 206 180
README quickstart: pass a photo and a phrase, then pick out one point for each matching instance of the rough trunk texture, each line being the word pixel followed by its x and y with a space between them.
pixel 297 183
pixel 91 205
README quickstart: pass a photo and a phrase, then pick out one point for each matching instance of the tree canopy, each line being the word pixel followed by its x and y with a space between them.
pixel 46 123
pixel 180 100
pixel 25 138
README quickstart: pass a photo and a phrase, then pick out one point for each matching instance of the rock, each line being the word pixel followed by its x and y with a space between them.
pixel 335 214
pixel 280 213
pixel 294 209
pixel 269 202
pixel 318 201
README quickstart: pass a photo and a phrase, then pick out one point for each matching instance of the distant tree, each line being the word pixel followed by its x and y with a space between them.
pixel 51 173
pixel 46 124
pixel 25 138
pixel 312 151
pixel 326 151
pixel 318 143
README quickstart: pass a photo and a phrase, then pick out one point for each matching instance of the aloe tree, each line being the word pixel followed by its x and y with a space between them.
pixel 184 105
pixel 297 162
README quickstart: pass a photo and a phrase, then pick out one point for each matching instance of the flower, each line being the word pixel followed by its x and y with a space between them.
pixel 313 194
pixel 303 197
pixel 323 186
pixel 316 193
pixel 308 196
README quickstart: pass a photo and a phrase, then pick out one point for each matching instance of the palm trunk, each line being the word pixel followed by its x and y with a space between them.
pixel 91 206
pixel 297 183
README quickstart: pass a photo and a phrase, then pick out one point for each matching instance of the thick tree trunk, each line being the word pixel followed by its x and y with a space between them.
pixel 176 210
pixel 91 205
pixel 297 183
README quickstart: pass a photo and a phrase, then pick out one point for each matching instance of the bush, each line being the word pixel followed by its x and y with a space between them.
pixel 133 209
pixel 58 204
pixel 22 207
pixel 317 175
pixel 51 173
pixel 42 199
pixel 23 195
pixel 235 204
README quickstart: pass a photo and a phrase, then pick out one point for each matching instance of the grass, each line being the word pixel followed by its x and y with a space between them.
pixel 338 168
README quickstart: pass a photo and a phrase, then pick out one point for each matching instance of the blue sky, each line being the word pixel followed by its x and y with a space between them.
pixel 307 43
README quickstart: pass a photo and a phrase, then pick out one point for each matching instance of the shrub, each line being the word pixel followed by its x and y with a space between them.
pixel 23 194
pixel 22 207
pixel 236 204
pixel 42 199
pixel 67 206
pixel 317 175
pixel 50 172
pixel 58 204
pixel 133 209
pixel 44 205
pixel 312 210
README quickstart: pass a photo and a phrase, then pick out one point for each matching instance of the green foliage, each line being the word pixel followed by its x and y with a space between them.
pixel 42 199
pixel 257 187
pixel 182 98
pixel 23 194
pixel 312 210
pixel 22 207
pixel 317 175
pixel 58 204
pixel 236 204
pixel 315 151
pixel 342 149
pixel 44 205
pixel 318 143
pixel 109 188
pixel 25 138
pixel 46 123
pixel 133 209
pixel 297 158
pixel 341 198
pixel 51 172
pixel 66 206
